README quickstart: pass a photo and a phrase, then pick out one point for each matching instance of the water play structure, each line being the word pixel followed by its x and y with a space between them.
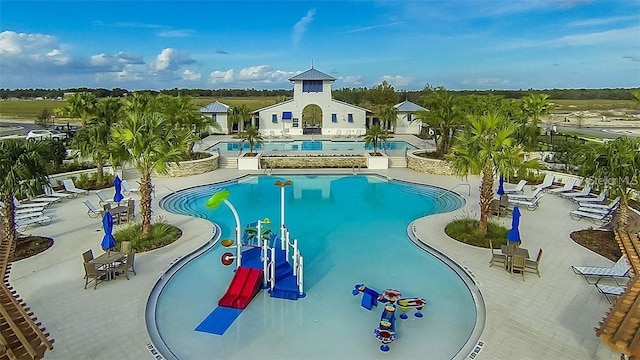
pixel 386 330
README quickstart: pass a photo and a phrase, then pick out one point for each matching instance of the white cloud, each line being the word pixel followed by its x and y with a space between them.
pixel 373 27
pixel 486 83
pixel 190 75
pixel 301 26
pixel 217 76
pixel 348 81
pixel 397 80
pixel 114 62
pixel 176 33
pixel 170 60
pixel 23 49
pixel 602 21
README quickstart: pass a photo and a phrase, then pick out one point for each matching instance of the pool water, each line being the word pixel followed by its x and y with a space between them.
pixel 307 145
pixel 351 229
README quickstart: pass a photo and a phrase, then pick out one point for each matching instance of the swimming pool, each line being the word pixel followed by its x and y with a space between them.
pixel 351 229
pixel 308 145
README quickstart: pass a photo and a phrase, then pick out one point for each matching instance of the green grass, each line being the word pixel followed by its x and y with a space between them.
pixel 162 234
pixel 466 231
pixel 580 105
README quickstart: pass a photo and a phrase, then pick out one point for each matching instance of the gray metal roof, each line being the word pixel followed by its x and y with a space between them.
pixel 312 74
pixel 216 107
pixel 408 106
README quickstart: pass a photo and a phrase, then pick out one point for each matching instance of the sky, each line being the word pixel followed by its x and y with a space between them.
pixel 457 44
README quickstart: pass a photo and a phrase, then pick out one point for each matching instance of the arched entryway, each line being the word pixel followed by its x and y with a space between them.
pixel 312 119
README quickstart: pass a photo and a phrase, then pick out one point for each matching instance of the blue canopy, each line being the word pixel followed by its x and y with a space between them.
pixel 108 241
pixel 514 234
pixel 501 186
pixel 117 183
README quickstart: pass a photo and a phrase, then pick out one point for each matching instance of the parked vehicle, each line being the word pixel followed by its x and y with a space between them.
pixel 46 134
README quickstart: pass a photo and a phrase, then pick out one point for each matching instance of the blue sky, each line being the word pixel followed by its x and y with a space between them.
pixel 458 44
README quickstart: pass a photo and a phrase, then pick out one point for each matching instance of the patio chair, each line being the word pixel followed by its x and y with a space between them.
pixel 619 270
pixel 530 197
pixel 92 273
pixel 529 204
pixel 127 265
pixel 497 258
pixel 519 189
pixel 127 189
pixel 48 191
pixel 568 186
pixel 546 183
pixel 71 188
pixel 610 291
pixel 596 217
pixel 598 199
pixel 125 246
pixel 532 266
pixel 87 256
pixel 586 190
pixel 518 264
pixel 93 212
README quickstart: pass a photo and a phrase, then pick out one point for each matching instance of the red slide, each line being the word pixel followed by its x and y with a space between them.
pixel 244 286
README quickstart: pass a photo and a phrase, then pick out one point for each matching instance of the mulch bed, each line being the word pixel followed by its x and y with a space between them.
pixel 27 246
pixel 599 241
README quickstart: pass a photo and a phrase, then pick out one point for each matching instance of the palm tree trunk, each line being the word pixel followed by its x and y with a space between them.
pixel 99 171
pixel 146 190
pixel 9 223
pixel 486 194
pixel 623 214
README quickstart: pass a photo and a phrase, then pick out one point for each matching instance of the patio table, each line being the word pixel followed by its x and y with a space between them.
pixel 109 260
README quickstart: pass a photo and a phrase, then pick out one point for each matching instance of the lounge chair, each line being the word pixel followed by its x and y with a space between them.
pixel 530 197
pixel 28 215
pixel 530 204
pixel 619 270
pixel 597 218
pixel 48 191
pixel 546 183
pixel 568 186
pixel 104 199
pixel 497 258
pixel 71 188
pixel 519 189
pixel 29 210
pixel 19 205
pixel 586 190
pixel 598 199
pixel 594 210
pixel 40 220
pixel 610 291
pixel 609 206
pixel 533 266
pixel 127 189
pixel 44 199
pixel 93 212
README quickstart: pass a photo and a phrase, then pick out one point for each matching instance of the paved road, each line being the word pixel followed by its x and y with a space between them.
pixel 604 132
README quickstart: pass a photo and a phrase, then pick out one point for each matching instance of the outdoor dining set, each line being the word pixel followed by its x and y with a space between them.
pixel 109 265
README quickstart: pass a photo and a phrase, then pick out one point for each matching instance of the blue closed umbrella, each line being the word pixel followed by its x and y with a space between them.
pixel 501 186
pixel 514 234
pixel 117 183
pixel 108 241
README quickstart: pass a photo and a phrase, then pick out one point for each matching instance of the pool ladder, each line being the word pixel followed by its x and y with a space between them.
pixel 461 184
pixel 268 170
pixel 355 169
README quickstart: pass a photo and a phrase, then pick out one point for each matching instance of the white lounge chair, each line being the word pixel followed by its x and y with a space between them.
pixel 71 188
pixel 104 199
pixel 618 271
pixel 546 183
pixel 601 218
pixel 594 210
pixel 41 220
pixel 127 189
pixel 610 290
pixel 29 210
pixel 519 189
pixel 93 212
pixel 19 205
pixel 609 206
pixel 28 215
pixel 44 199
pixel 530 204
pixel 598 199
pixel 568 186
pixel 48 191
pixel 586 190
pixel 536 193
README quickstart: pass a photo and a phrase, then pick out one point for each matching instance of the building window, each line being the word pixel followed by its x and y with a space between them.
pixel 214 117
pixel 334 118
pixel 311 85
pixel 350 118
pixel 274 118
pixel 409 117
pixel 295 122
pixel 286 115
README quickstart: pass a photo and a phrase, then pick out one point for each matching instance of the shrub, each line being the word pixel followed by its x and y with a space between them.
pixel 161 234
pixel 466 231
pixel 88 181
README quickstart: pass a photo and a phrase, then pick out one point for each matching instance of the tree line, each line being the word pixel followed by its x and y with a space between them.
pixel 358 95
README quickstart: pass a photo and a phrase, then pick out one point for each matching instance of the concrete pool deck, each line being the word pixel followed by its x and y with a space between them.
pixel 547 317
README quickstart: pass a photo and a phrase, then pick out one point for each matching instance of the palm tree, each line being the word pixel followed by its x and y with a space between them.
pixel 534 106
pixel 251 135
pixel 182 112
pixel 616 166
pixel 149 143
pixel 82 105
pixel 238 115
pixel 444 116
pixel 374 135
pixel 388 114
pixel 486 147
pixel 22 171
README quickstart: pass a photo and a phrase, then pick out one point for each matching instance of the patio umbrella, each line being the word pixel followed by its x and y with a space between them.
pixel 514 234
pixel 501 186
pixel 117 183
pixel 108 241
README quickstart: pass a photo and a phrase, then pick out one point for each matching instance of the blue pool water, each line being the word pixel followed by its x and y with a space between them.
pixel 351 229
pixel 307 145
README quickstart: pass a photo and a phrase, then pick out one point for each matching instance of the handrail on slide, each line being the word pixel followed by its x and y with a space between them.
pixel 468 188
pixel 296 259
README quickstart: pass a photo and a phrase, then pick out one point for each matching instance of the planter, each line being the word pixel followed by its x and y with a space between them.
pixel 192 167
pixel 426 165
pixel 246 162
pixel 312 162
pixel 377 162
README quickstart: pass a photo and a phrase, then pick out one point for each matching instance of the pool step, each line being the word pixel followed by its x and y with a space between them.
pixel 227 162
